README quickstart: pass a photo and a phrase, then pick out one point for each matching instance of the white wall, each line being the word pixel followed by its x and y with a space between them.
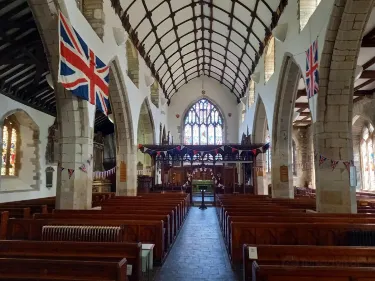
pixel 19 188
pixel 296 43
pixel 191 92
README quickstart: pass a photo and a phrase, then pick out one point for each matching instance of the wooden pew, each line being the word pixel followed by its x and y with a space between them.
pixel 40 269
pixel 87 251
pixel 312 273
pixel 132 231
pixel 110 216
pixel 324 234
pixel 306 256
pixel 17 212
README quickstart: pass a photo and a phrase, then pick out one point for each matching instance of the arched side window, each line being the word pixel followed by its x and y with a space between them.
pixel 268 153
pixel 155 94
pixel 133 64
pixel 294 158
pixel 9 157
pixel 367 158
pixel 269 60
pixel 203 124
pixel 251 99
pixel 305 9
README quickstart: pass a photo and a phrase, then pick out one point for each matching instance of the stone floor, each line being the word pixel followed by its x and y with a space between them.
pixel 199 252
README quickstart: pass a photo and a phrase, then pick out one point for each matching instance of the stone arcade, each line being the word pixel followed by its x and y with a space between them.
pixel 201 92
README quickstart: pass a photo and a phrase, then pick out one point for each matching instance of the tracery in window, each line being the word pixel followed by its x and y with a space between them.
pixel 367 158
pixel 203 124
pixel 268 152
pixel 10 146
pixel 306 9
pixel 251 99
pixel 269 60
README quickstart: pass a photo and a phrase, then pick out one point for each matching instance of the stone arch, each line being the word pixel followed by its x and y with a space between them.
pixel 145 135
pixel 133 63
pixel 333 128
pixel 125 149
pixel 290 74
pixel 74 118
pixel 259 136
pixel 221 111
pixel 28 162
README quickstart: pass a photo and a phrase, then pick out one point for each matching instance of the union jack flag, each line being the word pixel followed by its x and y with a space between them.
pixel 312 71
pixel 81 71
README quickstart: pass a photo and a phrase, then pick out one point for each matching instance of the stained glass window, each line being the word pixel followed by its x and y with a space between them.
pixel 306 9
pixel 367 158
pixel 10 146
pixel 203 124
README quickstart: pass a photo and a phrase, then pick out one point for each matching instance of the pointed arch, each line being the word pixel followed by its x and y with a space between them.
pixel 125 151
pixel 259 136
pixel 203 123
pixel 282 127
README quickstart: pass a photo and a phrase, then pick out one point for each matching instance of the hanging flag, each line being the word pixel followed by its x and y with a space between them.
pixel 80 70
pixel 178 148
pixel 334 164
pixel 234 149
pixel 70 172
pixel 322 159
pixel 312 77
pixel 347 165
pixel 62 169
pixel 216 151
pixel 83 168
pixel 254 151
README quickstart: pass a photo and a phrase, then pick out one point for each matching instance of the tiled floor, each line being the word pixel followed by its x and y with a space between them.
pixel 199 252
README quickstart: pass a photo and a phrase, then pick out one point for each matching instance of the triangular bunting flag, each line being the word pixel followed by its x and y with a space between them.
pixel 62 169
pixel 222 148
pixel 261 149
pixel 70 172
pixel 145 149
pixel 140 146
pixel 178 148
pixel 234 149
pixel 195 152
pixel 216 151
pixel 89 161
pixel 347 165
pixel 322 159
pixel 83 168
pixel 239 152
pixel 254 151
pixel 334 164
pixel 158 153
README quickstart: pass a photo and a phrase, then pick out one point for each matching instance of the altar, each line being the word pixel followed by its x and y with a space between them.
pixel 197 184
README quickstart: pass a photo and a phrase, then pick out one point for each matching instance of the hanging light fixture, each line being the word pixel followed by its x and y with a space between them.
pixel 203 91
pixel 280 31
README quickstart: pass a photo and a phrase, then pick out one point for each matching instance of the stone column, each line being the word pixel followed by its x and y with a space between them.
pixel 261 175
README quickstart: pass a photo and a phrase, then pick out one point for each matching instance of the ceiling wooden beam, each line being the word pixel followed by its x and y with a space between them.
pixel 368 82
pixel 368 74
pixel 301 93
pixel 303 105
pixel 364 92
pixel 306 114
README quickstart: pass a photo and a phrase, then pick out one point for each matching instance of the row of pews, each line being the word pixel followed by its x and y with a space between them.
pixel 285 239
pixel 104 243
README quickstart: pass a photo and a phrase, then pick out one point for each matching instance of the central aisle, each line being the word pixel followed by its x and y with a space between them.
pixel 199 252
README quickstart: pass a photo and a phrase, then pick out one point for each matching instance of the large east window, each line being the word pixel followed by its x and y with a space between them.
pixel 10 146
pixel 367 158
pixel 203 124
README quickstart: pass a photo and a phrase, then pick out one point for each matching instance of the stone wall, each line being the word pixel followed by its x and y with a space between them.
pixel 93 12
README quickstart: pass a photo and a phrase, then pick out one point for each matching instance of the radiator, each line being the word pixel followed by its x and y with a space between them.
pixel 82 233
pixel 361 238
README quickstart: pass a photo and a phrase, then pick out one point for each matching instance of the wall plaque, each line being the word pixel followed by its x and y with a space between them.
pixel 284 177
pixel 122 171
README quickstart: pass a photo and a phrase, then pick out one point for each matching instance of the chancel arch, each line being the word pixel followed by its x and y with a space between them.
pixel 260 136
pixel 282 186
pixel 203 124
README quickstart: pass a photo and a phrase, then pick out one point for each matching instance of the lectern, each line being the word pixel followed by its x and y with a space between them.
pixel 203 189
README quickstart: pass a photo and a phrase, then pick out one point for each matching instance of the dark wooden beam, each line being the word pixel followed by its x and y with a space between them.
pixel 368 43
pixel 368 74
pixel 303 105
pixel 364 93
pixel 368 82
pixel 301 93
pixel 368 63
pixel 306 114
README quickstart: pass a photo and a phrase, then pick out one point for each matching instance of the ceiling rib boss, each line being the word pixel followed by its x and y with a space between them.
pixel 183 39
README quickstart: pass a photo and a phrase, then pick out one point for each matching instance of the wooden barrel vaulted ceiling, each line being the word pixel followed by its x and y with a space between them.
pixel 23 64
pixel 184 39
